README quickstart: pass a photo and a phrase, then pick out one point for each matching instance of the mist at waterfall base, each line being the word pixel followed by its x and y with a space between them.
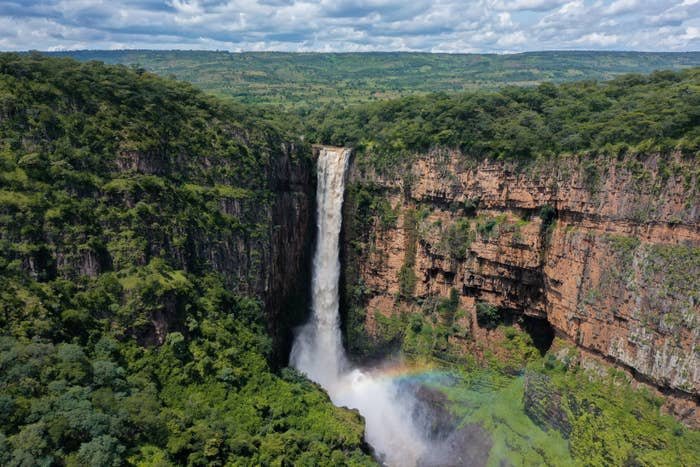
pixel 318 351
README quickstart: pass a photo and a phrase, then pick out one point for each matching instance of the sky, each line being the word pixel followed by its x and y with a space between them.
pixel 501 26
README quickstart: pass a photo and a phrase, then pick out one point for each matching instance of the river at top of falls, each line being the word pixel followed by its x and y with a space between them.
pixel 318 350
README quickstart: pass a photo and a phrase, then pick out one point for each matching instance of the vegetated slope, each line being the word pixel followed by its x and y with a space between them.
pixel 304 80
pixel 479 227
pixel 136 211
pixel 656 112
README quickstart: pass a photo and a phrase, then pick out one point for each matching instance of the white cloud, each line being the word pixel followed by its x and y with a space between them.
pixel 691 33
pixel 621 6
pixel 511 40
pixel 531 5
pixel 191 7
pixel 676 15
pixel 598 39
pixel 572 8
pixel 504 20
pixel 351 25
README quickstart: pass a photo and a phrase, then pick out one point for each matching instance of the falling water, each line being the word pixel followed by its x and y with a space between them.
pixel 318 349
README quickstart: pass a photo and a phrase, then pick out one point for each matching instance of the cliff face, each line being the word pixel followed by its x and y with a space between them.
pixel 606 251
pixel 256 238
pixel 285 272
pixel 269 261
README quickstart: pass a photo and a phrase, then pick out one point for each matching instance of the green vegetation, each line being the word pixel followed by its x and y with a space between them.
pixel 603 421
pixel 488 315
pixel 633 113
pixel 548 214
pixel 372 204
pixel 427 333
pixel 494 401
pixel 134 220
pixel 668 274
pixel 304 80
pixel 561 412
pixel 458 238
pixel 205 400
pixel 366 205
pixel 488 226
pixel 613 424
pixel 588 415
pixel 447 307
pixel 135 231
pixel 630 122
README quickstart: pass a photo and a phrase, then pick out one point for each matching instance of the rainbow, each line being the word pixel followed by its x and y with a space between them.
pixel 390 373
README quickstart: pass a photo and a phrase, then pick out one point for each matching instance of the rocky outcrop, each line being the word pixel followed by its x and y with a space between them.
pixel 606 250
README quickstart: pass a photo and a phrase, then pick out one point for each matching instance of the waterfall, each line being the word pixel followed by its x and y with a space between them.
pixel 318 350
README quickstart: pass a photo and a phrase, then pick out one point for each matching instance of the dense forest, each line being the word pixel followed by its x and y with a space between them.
pixel 115 200
pixel 659 112
pixel 302 81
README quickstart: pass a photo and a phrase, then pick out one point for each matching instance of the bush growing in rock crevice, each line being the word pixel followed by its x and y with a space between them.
pixel 488 315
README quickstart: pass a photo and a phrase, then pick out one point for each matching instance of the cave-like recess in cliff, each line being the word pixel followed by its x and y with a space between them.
pixel 541 332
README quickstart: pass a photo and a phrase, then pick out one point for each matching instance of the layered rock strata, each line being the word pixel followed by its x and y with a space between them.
pixel 606 250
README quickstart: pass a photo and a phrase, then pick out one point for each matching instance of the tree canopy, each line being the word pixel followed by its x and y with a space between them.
pixel 119 194
pixel 659 112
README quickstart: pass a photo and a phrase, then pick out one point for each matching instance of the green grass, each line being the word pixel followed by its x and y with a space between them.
pixel 495 402
pixel 611 423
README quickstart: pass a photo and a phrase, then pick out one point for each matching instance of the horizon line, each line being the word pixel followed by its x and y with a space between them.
pixel 378 52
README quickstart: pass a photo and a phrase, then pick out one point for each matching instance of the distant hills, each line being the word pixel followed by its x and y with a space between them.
pixel 303 80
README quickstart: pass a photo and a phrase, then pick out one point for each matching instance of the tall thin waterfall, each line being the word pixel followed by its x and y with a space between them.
pixel 318 349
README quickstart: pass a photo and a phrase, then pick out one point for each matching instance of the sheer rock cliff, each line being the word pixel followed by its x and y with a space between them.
pixel 606 250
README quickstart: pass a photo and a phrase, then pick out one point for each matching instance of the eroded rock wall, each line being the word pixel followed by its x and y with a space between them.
pixel 606 250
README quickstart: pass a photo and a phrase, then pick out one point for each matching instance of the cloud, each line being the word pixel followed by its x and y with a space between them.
pixel 512 40
pixel 676 15
pixel 531 5
pixel 621 6
pixel 598 39
pixel 351 25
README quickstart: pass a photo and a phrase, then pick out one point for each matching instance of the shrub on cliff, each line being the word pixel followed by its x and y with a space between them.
pixel 487 315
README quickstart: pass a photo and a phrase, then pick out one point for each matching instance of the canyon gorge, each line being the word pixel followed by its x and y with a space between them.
pixel 496 278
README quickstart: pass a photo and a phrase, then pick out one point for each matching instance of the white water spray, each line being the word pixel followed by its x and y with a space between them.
pixel 318 349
